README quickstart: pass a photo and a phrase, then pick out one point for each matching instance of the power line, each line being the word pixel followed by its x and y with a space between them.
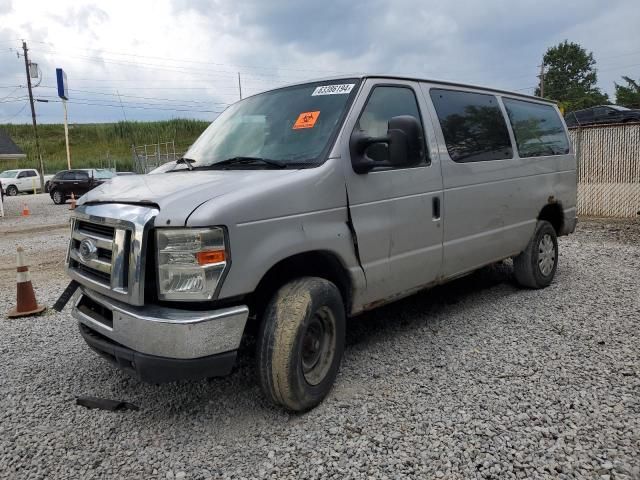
pixel 15 114
pixel 138 96
pixel 13 99
pixel 182 60
pixel 126 104
pixel 138 107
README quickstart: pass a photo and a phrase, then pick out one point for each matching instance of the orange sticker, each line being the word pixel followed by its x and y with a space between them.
pixel 306 120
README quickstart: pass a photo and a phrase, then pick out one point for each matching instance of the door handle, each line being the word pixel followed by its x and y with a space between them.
pixel 436 208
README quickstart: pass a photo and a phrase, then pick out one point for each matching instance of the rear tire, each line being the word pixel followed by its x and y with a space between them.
pixel 58 197
pixel 11 191
pixel 301 342
pixel 536 266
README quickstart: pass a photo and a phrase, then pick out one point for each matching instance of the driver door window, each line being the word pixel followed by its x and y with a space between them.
pixel 383 104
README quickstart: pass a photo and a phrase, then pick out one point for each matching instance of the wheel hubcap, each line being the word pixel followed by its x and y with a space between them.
pixel 546 255
pixel 318 346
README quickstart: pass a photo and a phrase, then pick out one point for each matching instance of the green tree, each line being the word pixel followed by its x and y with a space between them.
pixel 628 95
pixel 571 77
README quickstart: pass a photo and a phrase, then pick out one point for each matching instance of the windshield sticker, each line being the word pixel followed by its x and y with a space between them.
pixel 306 120
pixel 333 89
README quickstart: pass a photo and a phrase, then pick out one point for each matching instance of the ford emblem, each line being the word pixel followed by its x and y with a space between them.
pixel 87 250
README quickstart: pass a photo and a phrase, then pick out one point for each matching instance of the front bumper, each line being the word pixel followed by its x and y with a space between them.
pixel 136 338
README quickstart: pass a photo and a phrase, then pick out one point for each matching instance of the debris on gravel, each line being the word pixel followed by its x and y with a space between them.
pixel 475 379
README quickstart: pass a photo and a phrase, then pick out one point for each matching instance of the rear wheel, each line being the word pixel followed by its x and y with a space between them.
pixel 11 191
pixel 58 197
pixel 301 342
pixel 536 266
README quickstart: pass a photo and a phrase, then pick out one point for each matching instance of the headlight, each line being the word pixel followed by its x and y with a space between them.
pixel 191 262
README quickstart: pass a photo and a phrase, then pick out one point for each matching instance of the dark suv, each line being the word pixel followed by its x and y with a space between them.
pixel 602 114
pixel 78 182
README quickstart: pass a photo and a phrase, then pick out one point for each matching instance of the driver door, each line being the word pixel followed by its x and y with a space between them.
pixel 395 211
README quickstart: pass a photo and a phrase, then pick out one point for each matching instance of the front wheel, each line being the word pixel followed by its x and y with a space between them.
pixel 58 197
pixel 12 191
pixel 536 266
pixel 301 342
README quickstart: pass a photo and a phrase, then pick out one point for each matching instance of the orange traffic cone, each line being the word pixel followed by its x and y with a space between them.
pixel 73 202
pixel 25 210
pixel 26 301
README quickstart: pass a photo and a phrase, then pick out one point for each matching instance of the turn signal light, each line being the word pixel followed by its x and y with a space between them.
pixel 210 256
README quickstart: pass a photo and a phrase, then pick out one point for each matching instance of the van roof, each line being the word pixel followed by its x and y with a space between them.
pixel 362 76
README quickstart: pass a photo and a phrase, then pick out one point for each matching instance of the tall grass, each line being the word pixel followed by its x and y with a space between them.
pixel 98 144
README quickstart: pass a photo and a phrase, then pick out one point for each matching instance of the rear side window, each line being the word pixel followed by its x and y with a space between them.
pixel 537 128
pixel 31 173
pixel 473 126
pixel 81 176
pixel 69 176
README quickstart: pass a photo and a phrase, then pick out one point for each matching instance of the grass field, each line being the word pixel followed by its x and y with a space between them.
pixel 98 144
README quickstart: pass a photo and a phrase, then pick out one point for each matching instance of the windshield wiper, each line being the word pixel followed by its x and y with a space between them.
pixel 245 161
pixel 186 161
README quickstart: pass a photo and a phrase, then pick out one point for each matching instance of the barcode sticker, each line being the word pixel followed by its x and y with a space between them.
pixel 342 89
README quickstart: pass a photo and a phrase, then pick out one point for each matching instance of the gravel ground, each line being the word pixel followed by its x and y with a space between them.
pixel 43 212
pixel 476 379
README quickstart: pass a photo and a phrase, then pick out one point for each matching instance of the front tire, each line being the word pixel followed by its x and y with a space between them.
pixel 11 191
pixel 536 266
pixel 58 197
pixel 301 342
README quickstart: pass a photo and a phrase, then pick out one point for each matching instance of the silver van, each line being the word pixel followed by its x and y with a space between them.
pixel 305 205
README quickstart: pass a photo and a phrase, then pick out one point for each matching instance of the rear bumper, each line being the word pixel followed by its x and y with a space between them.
pixel 153 369
pixel 160 344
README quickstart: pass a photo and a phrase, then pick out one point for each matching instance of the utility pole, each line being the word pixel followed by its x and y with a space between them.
pixel 33 113
pixel 239 86
pixel 542 79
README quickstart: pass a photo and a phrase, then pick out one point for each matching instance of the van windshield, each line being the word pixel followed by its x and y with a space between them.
pixel 289 127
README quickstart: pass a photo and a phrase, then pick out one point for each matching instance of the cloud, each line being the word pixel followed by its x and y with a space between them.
pixel 5 6
pixel 84 18
pixel 181 57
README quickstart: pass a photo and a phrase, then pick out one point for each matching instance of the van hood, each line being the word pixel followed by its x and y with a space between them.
pixel 181 192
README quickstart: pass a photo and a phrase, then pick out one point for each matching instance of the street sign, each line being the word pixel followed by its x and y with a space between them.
pixel 62 84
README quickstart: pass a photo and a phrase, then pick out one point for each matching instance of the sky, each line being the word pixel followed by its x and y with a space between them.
pixel 153 60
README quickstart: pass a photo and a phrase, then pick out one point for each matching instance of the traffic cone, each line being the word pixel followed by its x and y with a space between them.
pixel 25 210
pixel 26 303
pixel 73 202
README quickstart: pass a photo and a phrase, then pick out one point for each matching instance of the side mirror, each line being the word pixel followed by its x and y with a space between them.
pixel 404 143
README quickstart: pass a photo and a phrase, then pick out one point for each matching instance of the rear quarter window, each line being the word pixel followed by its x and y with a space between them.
pixel 473 125
pixel 537 128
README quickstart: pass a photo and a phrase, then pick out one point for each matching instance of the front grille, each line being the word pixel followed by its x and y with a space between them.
pixel 96 229
pixel 106 262
pixel 108 252
pixel 95 275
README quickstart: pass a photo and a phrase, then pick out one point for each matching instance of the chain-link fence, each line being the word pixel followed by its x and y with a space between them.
pixel 608 169
pixel 148 157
